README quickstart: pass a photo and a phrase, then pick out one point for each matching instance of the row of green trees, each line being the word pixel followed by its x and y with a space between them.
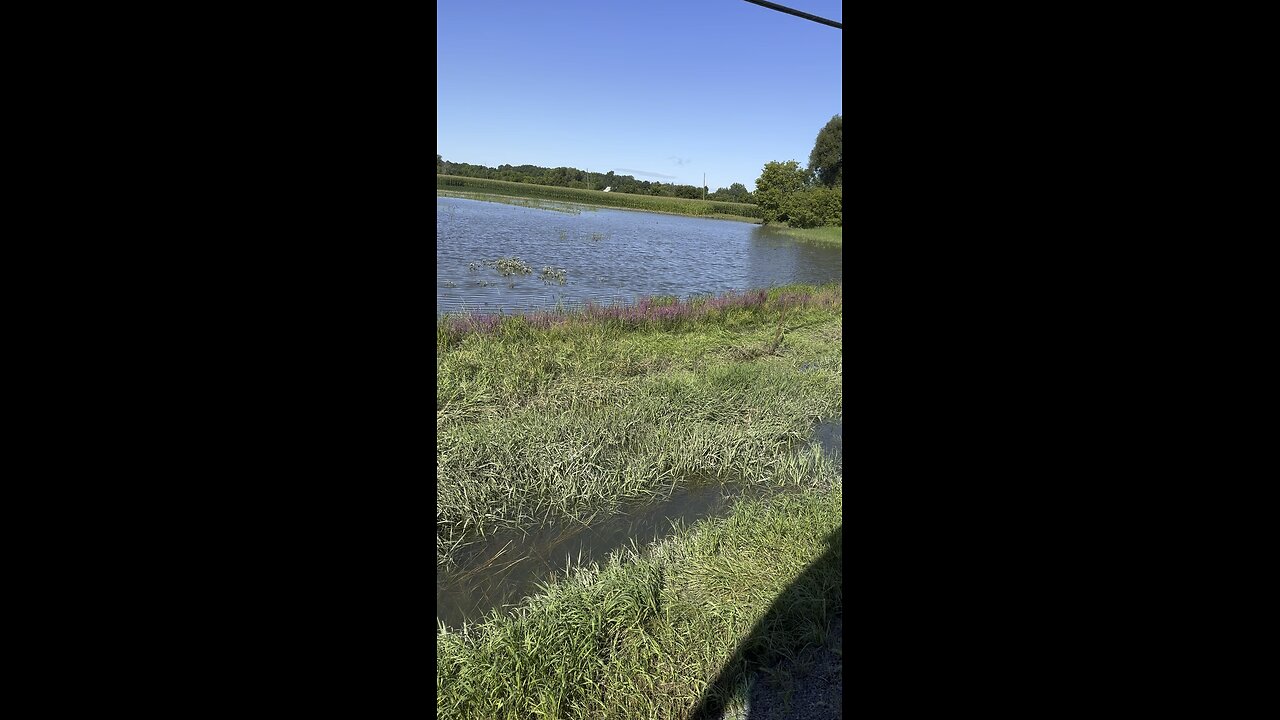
pixel 575 178
pixel 806 197
pixel 785 192
pixel 736 192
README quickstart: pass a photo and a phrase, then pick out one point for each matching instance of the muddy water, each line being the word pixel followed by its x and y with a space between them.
pixel 506 568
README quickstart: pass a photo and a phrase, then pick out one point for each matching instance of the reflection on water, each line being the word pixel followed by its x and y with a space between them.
pixel 609 256
pixel 507 567
pixel 830 437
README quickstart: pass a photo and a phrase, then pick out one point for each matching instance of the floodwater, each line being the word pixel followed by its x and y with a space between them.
pixel 608 255
pixel 504 569
pixel 830 436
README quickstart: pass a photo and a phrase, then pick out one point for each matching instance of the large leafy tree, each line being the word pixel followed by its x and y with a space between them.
pixel 826 160
pixel 775 187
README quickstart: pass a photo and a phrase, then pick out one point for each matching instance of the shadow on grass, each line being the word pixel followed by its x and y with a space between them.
pixel 813 600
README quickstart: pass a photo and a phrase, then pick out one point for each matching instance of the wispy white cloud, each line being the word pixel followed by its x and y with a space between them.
pixel 642 173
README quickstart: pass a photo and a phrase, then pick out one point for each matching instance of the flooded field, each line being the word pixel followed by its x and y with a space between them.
pixel 499 572
pixel 507 567
pixel 606 255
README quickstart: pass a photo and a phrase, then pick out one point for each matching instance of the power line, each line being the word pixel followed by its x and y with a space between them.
pixel 797 13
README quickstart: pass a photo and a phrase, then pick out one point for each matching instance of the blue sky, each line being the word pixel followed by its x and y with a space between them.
pixel 670 87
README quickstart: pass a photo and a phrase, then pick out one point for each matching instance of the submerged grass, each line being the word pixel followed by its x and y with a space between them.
pixel 654 634
pixel 823 235
pixel 528 202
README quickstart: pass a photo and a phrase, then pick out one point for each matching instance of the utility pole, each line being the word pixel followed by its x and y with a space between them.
pixel 704 186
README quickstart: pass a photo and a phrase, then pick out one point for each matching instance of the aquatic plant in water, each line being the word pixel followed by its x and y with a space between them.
pixel 550 274
pixel 507 266
pixel 513 266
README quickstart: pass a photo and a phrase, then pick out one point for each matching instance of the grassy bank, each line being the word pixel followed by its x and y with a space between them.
pixel 447 184
pixel 823 235
pixel 549 416
pixel 656 634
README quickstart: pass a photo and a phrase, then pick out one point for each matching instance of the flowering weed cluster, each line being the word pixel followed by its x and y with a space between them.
pixel 657 312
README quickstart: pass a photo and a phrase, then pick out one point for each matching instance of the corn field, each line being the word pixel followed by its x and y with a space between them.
pixel 681 206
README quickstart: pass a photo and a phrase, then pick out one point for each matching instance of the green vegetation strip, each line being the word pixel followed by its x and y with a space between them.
pixel 823 235
pixel 647 635
pixel 534 203
pixel 553 416
pixel 626 201
pixel 550 416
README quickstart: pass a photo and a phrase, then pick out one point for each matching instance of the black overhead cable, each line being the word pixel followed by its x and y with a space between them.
pixel 797 13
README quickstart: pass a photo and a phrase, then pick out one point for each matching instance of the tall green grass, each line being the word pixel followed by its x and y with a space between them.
pixel 567 415
pixel 679 206
pixel 538 424
pixel 829 235
pixel 647 634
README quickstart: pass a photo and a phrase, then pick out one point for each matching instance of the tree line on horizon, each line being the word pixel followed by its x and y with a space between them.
pixel 575 178
pixel 802 197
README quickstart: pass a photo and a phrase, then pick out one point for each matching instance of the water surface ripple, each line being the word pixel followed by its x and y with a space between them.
pixel 609 256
